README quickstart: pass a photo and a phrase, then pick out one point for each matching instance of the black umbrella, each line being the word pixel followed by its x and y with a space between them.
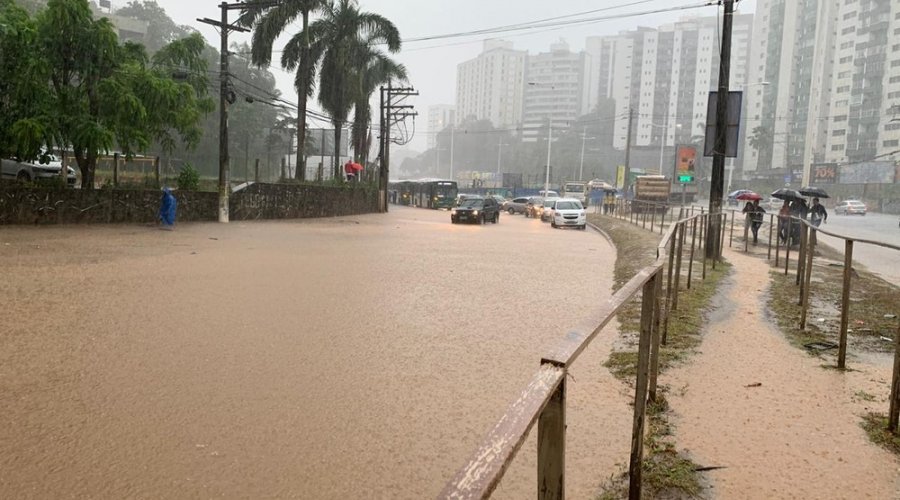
pixel 814 192
pixel 787 194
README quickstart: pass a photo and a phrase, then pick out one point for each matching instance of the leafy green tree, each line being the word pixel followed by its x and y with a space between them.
pixel 344 36
pixel 105 94
pixel 270 22
pixel 24 111
pixel 761 139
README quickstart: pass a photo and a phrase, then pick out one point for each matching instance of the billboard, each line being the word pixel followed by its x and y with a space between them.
pixel 685 158
pixel 620 177
pixel 321 142
pixel 868 172
pixel 823 173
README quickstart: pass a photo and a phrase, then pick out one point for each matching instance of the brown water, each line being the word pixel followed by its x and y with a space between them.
pixel 362 357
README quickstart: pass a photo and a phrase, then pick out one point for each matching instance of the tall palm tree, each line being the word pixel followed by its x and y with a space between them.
pixel 345 37
pixel 378 70
pixel 271 21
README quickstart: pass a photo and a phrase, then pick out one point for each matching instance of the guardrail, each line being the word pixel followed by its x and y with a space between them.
pixel 543 400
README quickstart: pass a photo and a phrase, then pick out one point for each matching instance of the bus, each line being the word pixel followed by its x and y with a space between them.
pixel 577 190
pixel 400 192
pixel 434 193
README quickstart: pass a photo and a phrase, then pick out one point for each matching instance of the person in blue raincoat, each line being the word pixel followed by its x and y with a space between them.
pixel 167 207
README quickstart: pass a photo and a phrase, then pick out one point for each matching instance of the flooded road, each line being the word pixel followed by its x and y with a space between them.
pixel 361 357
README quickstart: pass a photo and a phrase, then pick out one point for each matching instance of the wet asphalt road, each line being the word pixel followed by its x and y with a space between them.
pixel 360 357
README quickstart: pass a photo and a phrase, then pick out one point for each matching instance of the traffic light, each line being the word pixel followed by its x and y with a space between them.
pixel 685 178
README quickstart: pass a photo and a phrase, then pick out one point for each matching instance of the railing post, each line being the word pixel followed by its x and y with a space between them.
pixel 691 260
pixel 115 169
pixel 654 340
pixel 680 235
pixel 746 232
pixel 771 221
pixel 787 245
pixel 731 235
pixel 807 276
pixel 703 229
pixel 671 267
pixel 721 248
pixel 845 304
pixel 653 220
pixel 894 413
pixel 640 390
pixel 801 257
pixel 662 222
pixel 552 446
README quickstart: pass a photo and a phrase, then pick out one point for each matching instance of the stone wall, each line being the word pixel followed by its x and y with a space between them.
pixel 50 205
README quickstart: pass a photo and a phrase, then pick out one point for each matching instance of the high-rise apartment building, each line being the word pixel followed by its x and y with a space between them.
pixel 489 87
pixel 440 117
pixel 555 89
pixel 862 120
pixel 664 77
pixel 793 53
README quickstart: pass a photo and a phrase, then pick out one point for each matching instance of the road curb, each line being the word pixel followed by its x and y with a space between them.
pixel 602 233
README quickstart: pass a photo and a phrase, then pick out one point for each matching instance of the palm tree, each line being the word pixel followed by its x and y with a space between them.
pixel 271 21
pixel 378 70
pixel 345 35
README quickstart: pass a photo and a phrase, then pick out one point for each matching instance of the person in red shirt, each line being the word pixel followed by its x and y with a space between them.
pixel 349 171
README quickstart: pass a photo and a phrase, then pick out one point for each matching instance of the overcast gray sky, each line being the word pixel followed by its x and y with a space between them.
pixel 432 64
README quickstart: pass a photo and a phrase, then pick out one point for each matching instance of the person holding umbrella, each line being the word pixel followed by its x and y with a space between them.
pixel 817 213
pixel 349 171
pixel 757 213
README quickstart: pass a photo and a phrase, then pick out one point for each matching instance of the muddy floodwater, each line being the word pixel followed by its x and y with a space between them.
pixel 360 357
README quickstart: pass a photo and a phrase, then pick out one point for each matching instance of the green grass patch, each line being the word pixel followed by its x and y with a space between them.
pixel 665 473
pixel 875 425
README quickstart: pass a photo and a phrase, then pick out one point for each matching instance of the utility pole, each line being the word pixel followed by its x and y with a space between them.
pixel 390 113
pixel 718 169
pixel 452 130
pixel 225 96
pixel 499 155
pixel 628 151
pixel 583 138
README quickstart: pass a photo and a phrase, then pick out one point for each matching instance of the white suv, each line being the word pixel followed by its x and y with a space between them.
pixel 568 212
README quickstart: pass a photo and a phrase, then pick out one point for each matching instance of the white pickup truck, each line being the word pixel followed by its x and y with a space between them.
pixel 34 171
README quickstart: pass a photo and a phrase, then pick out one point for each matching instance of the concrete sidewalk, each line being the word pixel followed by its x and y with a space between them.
pixel 781 424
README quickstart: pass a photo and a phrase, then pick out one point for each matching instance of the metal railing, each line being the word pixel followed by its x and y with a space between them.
pixel 543 400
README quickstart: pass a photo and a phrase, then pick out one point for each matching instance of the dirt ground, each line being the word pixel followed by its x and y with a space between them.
pixel 781 424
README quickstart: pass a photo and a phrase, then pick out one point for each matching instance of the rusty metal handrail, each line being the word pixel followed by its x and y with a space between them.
pixel 543 399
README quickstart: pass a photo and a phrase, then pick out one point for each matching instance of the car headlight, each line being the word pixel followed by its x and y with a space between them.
pixel 453 211
pixel 474 212
pixel 581 214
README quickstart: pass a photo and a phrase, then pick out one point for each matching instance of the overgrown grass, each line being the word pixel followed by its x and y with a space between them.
pixel 665 472
pixel 875 425
pixel 873 306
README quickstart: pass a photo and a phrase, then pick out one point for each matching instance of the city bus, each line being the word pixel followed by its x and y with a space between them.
pixel 434 193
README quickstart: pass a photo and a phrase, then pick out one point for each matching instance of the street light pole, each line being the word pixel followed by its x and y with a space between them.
pixel 549 143
pixel 583 138
pixel 500 154
pixel 662 143
pixel 452 130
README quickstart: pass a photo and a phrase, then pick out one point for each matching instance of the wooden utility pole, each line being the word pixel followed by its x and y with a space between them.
pixel 224 93
pixel 628 151
pixel 391 112
pixel 716 188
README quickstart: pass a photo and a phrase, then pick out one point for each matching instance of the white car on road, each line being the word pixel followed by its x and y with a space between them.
pixel 567 212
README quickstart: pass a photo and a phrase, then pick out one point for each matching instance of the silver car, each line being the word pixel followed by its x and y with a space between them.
pixel 515 205
pixel 34 171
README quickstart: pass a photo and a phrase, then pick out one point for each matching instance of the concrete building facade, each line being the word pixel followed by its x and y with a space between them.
pixel 440 117
pixel 555 89
pixel 490 86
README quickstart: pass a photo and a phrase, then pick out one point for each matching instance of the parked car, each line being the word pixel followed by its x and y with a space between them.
pixel 549 193
pixel 545 212
pixel 567 212
pixel 850 207
pixel 499 199
pixel 35 171
pixel 773 204
pixel 476 210
pixel 515 205
pixel 534 206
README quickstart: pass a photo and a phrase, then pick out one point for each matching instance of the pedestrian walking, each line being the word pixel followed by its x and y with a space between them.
pixel 757 214
pixel 817 213
pixel 167 206
pixel 349 171
pixel 784 215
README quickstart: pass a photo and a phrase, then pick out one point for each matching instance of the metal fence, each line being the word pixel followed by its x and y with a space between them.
pixel 543 400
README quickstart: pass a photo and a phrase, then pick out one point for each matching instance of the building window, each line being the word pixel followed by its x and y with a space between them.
pixel 847 45
pixel 843 88
pixel 837 147
pixel 849 15
pixel 838 133
pixel 841 103
pixel 892 126
pixel 849 30
pixel 840 118
pixel 893 95
pixel 896 63
pixel 894 79
pixel 845 59
pixel 891 144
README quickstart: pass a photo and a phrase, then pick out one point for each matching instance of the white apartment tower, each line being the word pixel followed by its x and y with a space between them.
pixel 664 76
pixel 555 89
pixel 440 117
pixel 862 121
pixel 794 54
pixel 489 87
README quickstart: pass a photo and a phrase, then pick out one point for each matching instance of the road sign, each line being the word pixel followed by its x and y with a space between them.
pixel 685 179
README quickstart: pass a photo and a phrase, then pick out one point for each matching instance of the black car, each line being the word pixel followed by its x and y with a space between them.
pixel 476 210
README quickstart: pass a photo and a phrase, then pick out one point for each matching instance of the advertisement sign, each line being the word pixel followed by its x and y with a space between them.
pixel 620 177
pixel 869 172
pixel 685 158
pixel 824 173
